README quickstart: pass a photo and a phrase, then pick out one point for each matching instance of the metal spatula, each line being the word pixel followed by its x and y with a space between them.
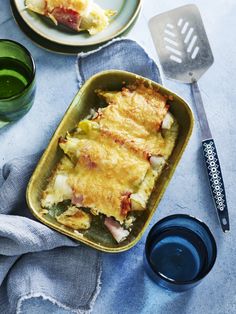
pixel 185 54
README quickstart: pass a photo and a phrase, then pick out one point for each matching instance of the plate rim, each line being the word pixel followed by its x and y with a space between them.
pixel 50 46
pixel 98 42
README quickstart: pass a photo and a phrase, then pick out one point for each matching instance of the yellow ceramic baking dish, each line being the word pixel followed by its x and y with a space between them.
pixel 98 236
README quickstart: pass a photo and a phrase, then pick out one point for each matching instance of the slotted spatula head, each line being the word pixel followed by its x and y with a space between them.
pixel 182 44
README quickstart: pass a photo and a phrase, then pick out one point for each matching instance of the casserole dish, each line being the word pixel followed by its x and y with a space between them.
pixel 85 100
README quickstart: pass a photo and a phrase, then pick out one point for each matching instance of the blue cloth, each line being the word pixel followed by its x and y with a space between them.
pixel 118 54
pixel 35 260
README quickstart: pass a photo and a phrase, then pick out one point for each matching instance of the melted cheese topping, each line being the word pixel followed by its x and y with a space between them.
pixel 104 173
pixel 143 105
pixel 134 117
pixel 110 154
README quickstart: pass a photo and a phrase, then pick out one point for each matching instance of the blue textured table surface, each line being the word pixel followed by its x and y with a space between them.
pixel 125 286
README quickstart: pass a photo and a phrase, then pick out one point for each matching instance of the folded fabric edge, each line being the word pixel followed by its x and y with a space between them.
pixel 61 305
pixel 48 298
pixel 82 54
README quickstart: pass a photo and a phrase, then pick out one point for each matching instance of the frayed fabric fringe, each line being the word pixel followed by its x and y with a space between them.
pixel 58 303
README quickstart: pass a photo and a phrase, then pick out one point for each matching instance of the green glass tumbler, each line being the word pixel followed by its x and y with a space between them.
pixel 17 81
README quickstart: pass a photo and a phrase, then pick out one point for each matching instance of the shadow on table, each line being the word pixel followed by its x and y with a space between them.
pixel 178 303
pixel 131 290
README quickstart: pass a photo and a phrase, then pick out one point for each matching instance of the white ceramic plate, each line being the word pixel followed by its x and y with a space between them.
pixel 127 11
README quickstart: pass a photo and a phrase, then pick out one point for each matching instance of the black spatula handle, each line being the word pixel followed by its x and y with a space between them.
pixel 216 182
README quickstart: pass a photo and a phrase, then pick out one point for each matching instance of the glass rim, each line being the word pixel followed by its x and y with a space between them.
pixel 26 51
pixel 211 237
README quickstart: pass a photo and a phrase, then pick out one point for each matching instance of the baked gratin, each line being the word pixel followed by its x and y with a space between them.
pixel 78 15
pixel 112 160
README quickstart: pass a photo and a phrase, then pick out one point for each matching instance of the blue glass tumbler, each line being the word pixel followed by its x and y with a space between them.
pixel 17 81
pixel 180 251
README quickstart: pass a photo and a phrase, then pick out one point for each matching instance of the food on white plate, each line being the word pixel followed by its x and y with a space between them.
pixel 78 15
pixel 111 162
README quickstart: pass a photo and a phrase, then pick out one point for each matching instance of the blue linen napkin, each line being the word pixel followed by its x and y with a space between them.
pixel 119 54
pixel 36 261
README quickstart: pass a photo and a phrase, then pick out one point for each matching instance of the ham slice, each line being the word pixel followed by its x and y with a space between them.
pixel 67 17
pixel 117 231
pixel 78 15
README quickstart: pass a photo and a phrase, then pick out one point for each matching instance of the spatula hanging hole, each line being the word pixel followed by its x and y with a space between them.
pixel 190 73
